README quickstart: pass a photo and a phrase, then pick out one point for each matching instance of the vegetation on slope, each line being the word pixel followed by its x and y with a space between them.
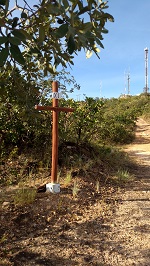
pixel 87 137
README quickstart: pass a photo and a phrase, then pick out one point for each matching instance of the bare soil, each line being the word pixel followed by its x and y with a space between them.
pixel 129 242
pixel 109 227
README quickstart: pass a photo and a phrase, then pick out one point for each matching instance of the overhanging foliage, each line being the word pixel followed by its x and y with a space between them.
pixel 50 32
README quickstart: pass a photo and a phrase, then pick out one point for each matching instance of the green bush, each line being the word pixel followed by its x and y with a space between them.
pixel 93 121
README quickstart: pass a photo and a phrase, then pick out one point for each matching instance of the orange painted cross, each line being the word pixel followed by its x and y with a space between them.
pixel 54 186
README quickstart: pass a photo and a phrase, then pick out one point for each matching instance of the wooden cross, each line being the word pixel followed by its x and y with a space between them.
pixel 55 110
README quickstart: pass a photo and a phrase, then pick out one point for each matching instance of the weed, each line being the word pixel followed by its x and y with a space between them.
pixel 24 196
pixel 75 189
pixel 68 178
pixel 60 205
pixel 47 164
pixel 58 176
pixel 14 153
pixel 123 176
pixel 88 165
pixel 3 238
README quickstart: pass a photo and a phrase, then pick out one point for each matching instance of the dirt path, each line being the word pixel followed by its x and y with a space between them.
pixel 130 236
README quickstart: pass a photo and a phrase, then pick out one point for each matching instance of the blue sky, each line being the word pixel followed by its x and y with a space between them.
pixel 124 52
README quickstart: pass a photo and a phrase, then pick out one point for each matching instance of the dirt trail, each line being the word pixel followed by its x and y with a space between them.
pixel 130 235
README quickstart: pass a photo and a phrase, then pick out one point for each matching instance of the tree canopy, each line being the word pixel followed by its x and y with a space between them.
pixel 50 32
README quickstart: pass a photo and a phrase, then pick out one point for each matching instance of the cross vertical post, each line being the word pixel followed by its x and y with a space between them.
pixel 54 133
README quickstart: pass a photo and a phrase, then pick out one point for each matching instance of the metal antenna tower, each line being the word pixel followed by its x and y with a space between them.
pixel 146 70
pixel 127 82
pixel 128 78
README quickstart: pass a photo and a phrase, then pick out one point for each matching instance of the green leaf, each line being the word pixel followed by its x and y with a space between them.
pixel 53 9
pixel 16 54
pixel 60 21
pixel 35 51
pixel 83 10
pixel 51 69
pixel 3 56
pixel 26 34
pixel 41 33
pixel 104 31
pixel 111 18
pixel 19 34
pixel 80 5
pixel 108 16
pixel 15 21
pixel 23 15
pixel 71 45
pixel 87 26
pixel 2 22
pixel 103 5
pixel 36 6
pixel 71 30
pixel 3 39
pixel 65 3
pixel 14 40
pixel 2 2
pixel 62 30
pixel 99 42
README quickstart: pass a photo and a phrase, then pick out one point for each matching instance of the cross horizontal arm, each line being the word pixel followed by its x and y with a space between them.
pixel 57 109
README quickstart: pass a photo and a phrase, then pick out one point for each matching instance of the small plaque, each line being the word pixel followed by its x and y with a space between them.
pixel 56 95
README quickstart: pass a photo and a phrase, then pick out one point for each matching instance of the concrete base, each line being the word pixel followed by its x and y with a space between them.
pixel 53 187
